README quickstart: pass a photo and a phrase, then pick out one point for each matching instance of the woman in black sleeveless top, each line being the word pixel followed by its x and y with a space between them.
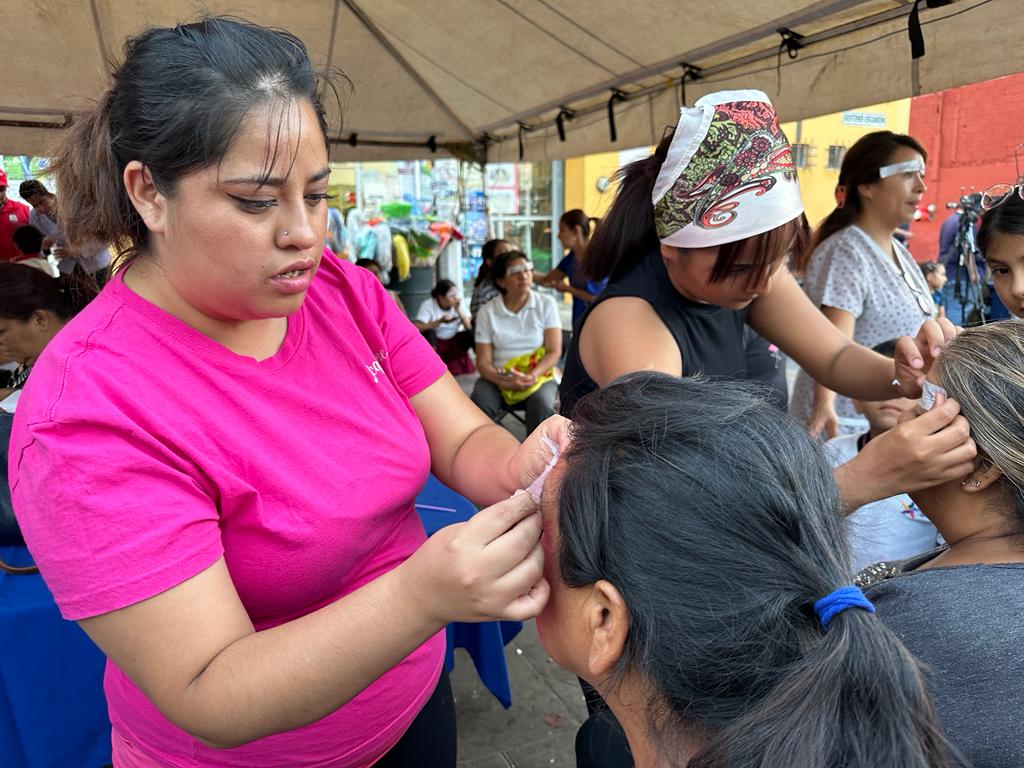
pixel 695 247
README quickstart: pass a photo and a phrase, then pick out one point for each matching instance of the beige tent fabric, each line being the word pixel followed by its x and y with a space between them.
pixel 463 70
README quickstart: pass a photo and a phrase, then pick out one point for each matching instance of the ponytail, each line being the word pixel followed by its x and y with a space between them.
pixel 627 232
pixel 840 218
pixel 856 699
pixel 720 587
pixel 94 205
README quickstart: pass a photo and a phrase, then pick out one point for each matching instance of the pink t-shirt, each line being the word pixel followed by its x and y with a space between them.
pixel 143 451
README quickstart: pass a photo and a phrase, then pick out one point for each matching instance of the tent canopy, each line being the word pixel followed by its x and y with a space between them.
pixel 488 78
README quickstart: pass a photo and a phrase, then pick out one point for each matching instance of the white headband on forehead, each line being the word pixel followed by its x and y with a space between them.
pixel 728 174
pixel 907 166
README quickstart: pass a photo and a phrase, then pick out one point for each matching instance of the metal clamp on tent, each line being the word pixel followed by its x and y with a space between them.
pixel 617 96
pixel 522 149
pixel 791 42
pixel 691 72
pixel 564 113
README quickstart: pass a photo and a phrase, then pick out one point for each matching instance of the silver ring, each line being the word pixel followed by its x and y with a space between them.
pixel 894 382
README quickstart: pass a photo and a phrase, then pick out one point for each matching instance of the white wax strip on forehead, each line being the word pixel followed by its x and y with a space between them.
pixel 928 393
pixel 537 486
pixel 908 166
pixel 527 267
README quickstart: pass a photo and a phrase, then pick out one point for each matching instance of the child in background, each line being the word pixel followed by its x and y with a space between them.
pixel 935 275
pixel 442 314
pixel 892 528
pixel 1001 240
pixel 29 242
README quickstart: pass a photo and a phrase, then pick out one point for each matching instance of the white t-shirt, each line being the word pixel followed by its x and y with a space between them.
pixel 430 311
pixel 516 333
pixel 850 272
pixel 885 530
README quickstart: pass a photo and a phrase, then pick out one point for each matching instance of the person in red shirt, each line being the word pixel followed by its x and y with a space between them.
pixel 12 216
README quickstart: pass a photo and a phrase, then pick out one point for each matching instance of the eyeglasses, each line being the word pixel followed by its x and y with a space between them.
pixel 998 194
pixel 924 301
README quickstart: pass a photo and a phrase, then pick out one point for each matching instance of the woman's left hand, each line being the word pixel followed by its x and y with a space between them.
pixel 915 357
pixel 533 456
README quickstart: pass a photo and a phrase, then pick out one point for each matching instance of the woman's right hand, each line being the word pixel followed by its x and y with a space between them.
pixel 489 568
pixel 922 451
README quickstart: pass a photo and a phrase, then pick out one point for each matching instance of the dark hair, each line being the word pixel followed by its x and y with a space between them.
pixel 371 264
pixel 500 266
pixel 860 166
pixel 930 267
pixel 577 219
pixel 175 105
pixel 627 232
pixel 887 348
pixel 717 519
pixel 25 290
pixel 487 258
pixel 982 370
pixel 1007 218
pixel 31 188
pixel 442 288
pixel 28 240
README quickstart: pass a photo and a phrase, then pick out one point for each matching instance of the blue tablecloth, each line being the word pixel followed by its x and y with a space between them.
pixel 439 506
pixel 52 710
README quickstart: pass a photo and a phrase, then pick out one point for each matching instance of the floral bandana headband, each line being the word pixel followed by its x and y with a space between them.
pixel 728 175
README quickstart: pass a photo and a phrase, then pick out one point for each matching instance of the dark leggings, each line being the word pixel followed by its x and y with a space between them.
pixel 430 741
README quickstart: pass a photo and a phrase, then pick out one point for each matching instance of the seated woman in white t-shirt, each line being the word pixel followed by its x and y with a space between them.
pixel 442 314
pixel 518 343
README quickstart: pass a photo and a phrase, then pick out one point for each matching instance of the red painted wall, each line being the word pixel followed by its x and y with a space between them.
pixel 970 134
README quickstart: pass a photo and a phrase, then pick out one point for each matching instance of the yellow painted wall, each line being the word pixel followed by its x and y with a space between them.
pixel 817 181
pixel 580 179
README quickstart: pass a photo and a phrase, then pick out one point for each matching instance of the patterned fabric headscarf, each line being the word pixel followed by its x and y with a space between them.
pixel 728 175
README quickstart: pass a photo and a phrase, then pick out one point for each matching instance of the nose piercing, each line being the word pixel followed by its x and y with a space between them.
pixel 285 233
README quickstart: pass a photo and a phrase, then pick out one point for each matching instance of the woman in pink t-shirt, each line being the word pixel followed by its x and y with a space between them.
pixel 215 463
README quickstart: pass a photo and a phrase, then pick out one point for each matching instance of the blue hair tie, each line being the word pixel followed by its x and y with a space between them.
pixel 838 601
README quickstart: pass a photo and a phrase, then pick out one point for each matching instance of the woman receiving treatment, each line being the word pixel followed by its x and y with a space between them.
pixel 957 608
pixel 700 581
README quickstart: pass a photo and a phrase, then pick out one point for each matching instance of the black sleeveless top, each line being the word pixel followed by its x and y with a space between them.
pixel 710 338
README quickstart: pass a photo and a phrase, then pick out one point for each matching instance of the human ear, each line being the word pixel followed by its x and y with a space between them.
pixel 865 191
pixel 40 319
pixel 608 620
pixel 670 253
pixel 981 478
pixel 146 198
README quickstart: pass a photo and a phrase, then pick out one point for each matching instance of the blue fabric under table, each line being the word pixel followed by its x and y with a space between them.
pixel 439 506
pixel 52 710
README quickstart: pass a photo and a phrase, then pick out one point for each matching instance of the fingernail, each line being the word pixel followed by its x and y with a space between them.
pixel 936 351
pixel 917 362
